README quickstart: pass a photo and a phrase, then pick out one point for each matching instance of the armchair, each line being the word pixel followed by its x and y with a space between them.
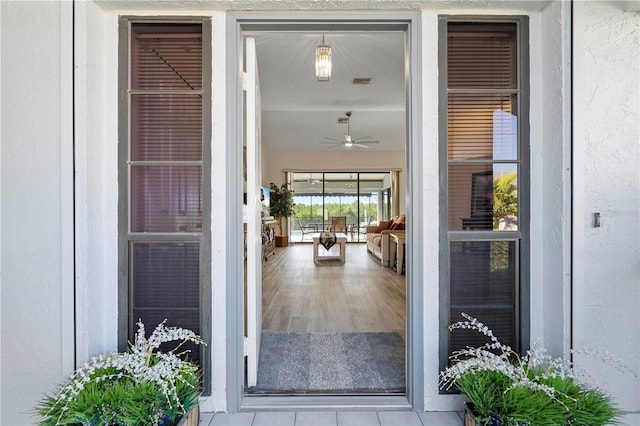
pixel 337 224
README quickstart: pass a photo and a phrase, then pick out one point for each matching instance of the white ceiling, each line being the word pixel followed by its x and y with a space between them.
pixel 298 111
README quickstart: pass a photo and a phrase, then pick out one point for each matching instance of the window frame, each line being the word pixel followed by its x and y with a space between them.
pixel 125 237
pixel 521 235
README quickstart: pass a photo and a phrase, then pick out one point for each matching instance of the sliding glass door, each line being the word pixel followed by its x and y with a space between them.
pixel 324 199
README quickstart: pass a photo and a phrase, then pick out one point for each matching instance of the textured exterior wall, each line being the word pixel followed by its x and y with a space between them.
pixel 37 338
pixel 606 283
pixel 280 5
pixel 551 180
pixel 37 259
pixel 96 166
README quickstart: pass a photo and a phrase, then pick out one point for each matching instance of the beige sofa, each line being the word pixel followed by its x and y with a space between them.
pixel 378 237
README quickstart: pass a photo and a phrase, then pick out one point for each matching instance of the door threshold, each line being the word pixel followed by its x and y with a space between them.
pixel 326 402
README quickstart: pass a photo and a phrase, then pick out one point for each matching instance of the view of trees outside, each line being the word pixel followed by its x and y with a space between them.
pixel 505 201
pixel 309 208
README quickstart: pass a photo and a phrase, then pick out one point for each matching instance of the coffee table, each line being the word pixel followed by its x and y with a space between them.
pixel 341 243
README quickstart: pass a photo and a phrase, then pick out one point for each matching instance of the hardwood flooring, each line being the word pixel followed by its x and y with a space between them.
pixel 357 296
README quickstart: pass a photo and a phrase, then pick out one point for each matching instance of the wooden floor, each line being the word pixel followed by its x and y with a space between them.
pixel 357 296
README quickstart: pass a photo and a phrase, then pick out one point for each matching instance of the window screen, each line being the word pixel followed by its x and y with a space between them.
pixel 164 169
pixel 484 164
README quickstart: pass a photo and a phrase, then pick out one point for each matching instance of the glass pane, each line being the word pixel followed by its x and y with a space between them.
pixel 483 281
pixel 368 210
pixel 482 56
pixel 482 126
pixel 483 197
pixel 166 127
pixel 166 199
pixel 164 58
pixel 165 280
pixel 307 198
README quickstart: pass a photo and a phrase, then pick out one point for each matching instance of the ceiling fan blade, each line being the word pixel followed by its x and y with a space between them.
pixel 336 145
pixel 362 138
pixel 366 142
pixel 332 139
pixel 359 145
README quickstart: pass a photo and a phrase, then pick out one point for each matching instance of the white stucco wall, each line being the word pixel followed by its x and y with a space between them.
pixel 36 260
pixel 550 162
pixel 606 284
pixel 96 199
pixel 36 257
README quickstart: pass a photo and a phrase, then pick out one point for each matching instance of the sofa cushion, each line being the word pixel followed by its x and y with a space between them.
pixel 399 219
pixel 371 236
pixel 384 225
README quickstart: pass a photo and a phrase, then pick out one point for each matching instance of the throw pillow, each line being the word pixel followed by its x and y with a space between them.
pixel 384 225
pixel 393 226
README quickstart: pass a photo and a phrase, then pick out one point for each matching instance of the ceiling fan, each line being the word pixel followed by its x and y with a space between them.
pixel 348 141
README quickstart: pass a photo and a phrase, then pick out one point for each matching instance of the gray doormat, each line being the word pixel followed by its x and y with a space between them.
pixel 331 362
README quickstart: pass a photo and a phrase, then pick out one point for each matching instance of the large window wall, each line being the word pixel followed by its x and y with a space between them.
pixel 320 196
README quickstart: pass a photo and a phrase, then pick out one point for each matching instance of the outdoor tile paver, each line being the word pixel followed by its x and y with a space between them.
pixel 235 419
pixel 358 418
pixel 347 418
pixel 316 418
pixel 631 419
pixel 274 418
pixel 440 418
pixel 399 418
pixel 205 419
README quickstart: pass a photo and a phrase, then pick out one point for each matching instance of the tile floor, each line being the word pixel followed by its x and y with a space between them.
pixel 349 418
pixel 332 418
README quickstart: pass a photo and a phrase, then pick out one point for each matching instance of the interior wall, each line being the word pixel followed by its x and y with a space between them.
pixel 36 224
pixel 606 290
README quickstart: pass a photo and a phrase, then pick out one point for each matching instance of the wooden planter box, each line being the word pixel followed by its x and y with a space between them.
pixel 192 418
pixel 470 417
pixel 282 240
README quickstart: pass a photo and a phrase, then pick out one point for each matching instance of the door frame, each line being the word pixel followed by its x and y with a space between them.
pixel 236 26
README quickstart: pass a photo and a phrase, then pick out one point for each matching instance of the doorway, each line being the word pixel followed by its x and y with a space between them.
pixel 337 156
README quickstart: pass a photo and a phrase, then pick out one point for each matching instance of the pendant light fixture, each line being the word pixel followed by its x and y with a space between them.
pixel 323 61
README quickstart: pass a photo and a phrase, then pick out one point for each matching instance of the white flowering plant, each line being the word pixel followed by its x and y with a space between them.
pixel 140 387
pixel 507 389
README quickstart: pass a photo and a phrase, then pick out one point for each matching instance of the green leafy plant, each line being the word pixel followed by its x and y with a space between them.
pixel 281 203
pixel 535 389
pixel 140 387
pixel 505 198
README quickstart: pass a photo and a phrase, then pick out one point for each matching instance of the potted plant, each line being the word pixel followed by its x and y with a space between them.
pixel 506 389
pixel 140 387
pixel 281 205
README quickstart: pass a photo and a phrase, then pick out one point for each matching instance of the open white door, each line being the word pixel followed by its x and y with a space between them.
pixel 253 218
